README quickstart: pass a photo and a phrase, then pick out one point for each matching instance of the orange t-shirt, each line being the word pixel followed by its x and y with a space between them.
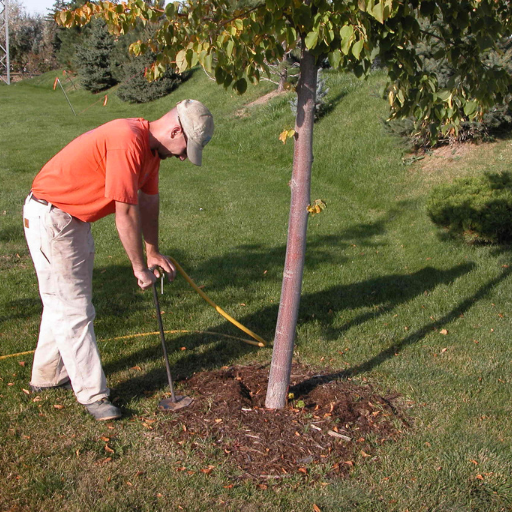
pixel 110 163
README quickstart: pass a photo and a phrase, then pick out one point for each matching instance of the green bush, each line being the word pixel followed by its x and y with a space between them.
pixel 478 209
pixel 496 121
pixel 94 59
pixel 135 87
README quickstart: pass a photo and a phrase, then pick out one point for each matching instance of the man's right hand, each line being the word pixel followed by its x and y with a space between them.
pixel 145 278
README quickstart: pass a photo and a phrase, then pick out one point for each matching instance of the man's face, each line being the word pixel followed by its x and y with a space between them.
pixel 175 144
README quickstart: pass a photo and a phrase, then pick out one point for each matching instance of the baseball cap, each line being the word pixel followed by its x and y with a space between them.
pixel 197 123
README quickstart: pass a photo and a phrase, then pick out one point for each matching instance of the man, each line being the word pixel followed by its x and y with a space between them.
pixel 112 169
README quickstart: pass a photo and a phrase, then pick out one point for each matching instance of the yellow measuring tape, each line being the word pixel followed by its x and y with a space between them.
pixel 259 342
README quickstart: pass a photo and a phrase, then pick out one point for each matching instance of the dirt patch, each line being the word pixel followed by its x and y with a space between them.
pixel 262 100
pixel 450 155
pixel 328 426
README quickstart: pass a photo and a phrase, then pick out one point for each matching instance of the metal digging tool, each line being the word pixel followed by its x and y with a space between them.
pixel 175 403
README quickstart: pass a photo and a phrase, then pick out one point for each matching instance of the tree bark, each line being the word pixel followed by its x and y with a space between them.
pixel 283 78
pixel 280 369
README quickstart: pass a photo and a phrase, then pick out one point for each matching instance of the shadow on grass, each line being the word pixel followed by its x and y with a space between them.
pixel 117 299
pixel 412 338
pixel 388 292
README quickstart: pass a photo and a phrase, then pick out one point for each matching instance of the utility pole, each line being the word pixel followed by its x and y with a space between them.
pixel 5 63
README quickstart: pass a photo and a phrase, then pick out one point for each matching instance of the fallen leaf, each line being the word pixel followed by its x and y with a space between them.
pixel 364 454
pixel 129 483
pixel 316 508
pixel 106 439
pixel 443 350
pixel 58 406
pixel 22 363
pixel 207 470
pixel 26 391
pixel 138 368
pixel 303 470
pixel 183 348
pixel 443 332
pixel 480 477
pixel 108 449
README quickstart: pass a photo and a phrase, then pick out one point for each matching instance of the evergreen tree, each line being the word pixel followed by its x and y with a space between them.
pixel 65 40
pixel 93 59
pixel 137 89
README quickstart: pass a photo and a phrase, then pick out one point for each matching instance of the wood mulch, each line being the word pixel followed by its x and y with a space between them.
pixel 330 422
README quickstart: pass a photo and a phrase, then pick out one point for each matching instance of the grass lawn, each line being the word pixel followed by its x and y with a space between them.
pixel 384 297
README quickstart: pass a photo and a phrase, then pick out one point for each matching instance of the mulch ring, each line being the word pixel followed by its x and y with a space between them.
pixel 332 423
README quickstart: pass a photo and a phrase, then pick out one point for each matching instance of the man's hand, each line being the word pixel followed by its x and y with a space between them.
pixel 145 278
pixel 157 260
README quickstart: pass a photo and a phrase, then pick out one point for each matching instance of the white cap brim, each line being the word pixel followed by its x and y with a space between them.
pixel 194 152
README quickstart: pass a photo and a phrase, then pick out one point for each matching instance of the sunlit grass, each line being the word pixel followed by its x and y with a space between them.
pixel 383 299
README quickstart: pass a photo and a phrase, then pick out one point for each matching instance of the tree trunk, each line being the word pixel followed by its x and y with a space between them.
pixel 280 369
pixel 283 77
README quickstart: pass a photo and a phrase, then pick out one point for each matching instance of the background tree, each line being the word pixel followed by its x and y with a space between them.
pixel 496 118
pixel 65 40
pixel 135 88
pixel 94 59
pixel 30 51
pixel 236 46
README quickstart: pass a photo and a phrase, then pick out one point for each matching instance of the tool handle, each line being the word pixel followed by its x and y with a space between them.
pixel 162 338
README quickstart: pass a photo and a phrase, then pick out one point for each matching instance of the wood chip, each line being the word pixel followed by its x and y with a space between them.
pixel 339 436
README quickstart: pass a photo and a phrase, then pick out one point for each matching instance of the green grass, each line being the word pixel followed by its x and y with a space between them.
pixel 384 297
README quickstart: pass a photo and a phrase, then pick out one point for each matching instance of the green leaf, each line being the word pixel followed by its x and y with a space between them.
pixel 207 65
pixel 241 85
pixel 220 76
pixel 239 24
pixel 170 10
pixel 181 61
pixel 335 59
pixel 347 36
pixel 291 35
pixel 311 40
pixel 378 12
pixel 229 47
pixel 356 49
pixel 444 95
pixel 470 108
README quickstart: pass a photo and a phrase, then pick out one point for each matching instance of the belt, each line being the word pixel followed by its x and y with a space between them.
pixel 40 201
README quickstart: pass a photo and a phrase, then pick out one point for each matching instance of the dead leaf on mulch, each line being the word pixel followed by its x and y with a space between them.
pixel 331 426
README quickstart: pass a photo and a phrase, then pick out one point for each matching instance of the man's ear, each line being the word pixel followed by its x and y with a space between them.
pixel 175 131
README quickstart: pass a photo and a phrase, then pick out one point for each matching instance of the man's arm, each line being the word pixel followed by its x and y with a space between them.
pixel 128 223
pixel 149 212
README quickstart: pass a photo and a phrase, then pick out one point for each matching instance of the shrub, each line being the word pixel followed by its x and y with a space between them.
pixel 94 60
pixel 137 89
pixel 477 209
pixel 496 121
pixel 321 106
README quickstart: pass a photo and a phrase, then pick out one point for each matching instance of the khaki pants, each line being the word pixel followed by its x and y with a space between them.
pixel 62 250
